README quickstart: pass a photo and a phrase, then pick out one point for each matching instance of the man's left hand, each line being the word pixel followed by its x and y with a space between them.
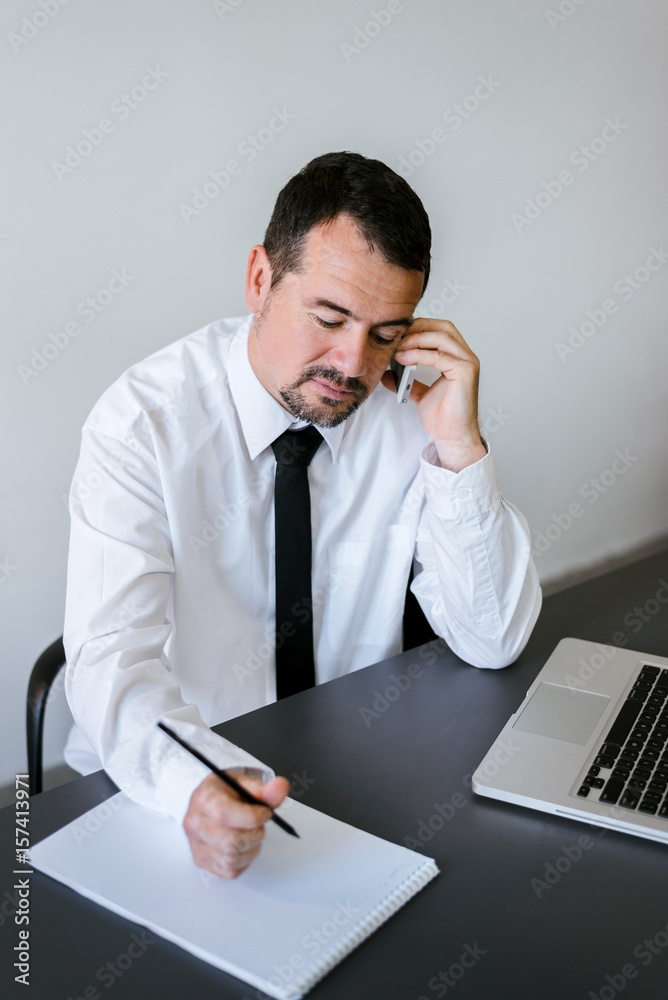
pixel 449 408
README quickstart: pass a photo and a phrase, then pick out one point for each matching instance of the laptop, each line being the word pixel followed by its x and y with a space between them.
pixel 589 741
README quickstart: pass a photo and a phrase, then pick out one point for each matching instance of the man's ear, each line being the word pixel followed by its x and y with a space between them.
pixel 258 279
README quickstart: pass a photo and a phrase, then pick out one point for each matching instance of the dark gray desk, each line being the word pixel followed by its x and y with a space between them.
pixel 390 777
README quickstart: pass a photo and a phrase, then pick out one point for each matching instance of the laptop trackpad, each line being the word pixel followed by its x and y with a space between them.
pixel 563 713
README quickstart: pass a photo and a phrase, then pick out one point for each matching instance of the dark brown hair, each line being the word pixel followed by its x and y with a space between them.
pixel 388 212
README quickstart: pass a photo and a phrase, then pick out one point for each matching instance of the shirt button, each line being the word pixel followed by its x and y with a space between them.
pixel 462 494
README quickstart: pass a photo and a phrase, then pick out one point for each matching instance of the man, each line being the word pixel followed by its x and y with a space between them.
pixel 172 606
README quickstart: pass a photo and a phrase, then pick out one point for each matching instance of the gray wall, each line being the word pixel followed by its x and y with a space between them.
pixel 486 105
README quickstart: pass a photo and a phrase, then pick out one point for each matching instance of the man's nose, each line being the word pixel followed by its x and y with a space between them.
pixel 348 354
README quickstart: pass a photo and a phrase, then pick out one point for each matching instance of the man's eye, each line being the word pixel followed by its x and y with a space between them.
pixel 327 325
pixel 333 324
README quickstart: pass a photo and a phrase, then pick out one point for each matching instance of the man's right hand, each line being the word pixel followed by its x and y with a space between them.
pixel 225 833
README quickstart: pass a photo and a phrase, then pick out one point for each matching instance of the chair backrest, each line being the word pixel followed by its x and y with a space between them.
pixel 41 678
pixel 417 629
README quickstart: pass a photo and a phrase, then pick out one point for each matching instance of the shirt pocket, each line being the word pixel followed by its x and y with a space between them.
pixel 367 588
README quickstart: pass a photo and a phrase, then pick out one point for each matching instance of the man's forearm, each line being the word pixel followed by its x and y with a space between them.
pixel 479 586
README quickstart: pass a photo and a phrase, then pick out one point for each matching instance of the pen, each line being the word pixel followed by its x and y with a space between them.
pixel 228 779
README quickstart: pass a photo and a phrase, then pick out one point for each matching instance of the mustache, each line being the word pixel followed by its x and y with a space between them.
pixel 354 385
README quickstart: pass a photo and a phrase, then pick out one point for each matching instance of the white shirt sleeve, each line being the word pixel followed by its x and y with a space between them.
pixel 118 680
pixel 475 580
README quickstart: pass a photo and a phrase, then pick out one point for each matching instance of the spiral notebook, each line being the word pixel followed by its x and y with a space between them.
pixel 299 909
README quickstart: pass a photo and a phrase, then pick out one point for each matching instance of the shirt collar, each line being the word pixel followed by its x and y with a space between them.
pixel 262 417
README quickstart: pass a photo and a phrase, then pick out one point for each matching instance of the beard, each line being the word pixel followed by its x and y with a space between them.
pixel 327 412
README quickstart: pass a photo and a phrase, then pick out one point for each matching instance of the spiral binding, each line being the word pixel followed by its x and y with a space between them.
pixel 362 929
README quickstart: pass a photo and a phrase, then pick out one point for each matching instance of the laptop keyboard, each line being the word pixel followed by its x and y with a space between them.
pixel 631 766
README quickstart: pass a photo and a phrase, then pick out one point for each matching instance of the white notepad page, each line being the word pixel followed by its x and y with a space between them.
pixel 301 906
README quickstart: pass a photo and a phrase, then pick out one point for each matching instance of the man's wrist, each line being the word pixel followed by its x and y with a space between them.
pixel 458 456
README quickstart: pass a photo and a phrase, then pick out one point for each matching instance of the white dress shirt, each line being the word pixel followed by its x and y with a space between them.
pixel 171 590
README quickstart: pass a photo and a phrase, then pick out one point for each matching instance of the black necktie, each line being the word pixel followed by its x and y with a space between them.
pixel 295 667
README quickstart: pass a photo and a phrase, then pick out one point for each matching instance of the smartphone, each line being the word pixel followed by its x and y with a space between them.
pixel 403 379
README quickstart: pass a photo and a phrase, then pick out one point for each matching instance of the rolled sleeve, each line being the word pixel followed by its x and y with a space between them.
pixel 478 585
pixel 119 680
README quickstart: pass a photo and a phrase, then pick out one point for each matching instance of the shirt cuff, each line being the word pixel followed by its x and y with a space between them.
pixel 182 773
pixel 457 496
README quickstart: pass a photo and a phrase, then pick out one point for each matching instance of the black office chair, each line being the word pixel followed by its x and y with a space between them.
pixel 42 677
pixel 417 631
